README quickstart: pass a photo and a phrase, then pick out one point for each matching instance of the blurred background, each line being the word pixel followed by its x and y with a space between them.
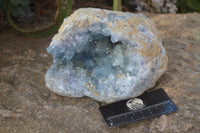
pixel 46 16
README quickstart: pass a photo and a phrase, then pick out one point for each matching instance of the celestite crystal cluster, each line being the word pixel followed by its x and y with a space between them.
pixel 105 55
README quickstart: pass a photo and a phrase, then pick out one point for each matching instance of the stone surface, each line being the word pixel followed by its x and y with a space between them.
pixel 106 55
pixel 31 108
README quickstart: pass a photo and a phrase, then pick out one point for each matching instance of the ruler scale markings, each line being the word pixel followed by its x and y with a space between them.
pixel 156 107
pixel 138 115
pixel 156 103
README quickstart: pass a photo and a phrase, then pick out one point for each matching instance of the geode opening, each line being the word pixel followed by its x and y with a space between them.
pixel 98 58
pixel 106 55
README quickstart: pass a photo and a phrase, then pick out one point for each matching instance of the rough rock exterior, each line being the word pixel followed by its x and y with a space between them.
pixel 105 55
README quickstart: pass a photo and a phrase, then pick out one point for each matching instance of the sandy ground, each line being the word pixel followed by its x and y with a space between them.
pixel 27 106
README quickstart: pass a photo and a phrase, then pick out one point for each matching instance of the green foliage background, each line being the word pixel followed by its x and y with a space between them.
pixel 185 6
pixel 17 8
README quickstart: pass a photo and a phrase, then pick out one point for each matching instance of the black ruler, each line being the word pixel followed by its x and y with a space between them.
pixel 148 105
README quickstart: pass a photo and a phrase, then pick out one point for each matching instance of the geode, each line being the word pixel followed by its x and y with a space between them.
pixel 105 55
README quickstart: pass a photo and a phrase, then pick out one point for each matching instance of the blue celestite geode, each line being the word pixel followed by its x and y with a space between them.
pixel 105 55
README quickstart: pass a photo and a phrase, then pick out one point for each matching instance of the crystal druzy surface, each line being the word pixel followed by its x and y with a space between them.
pixel 105 55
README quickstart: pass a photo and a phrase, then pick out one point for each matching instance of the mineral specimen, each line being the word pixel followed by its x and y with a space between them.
pixel 105 55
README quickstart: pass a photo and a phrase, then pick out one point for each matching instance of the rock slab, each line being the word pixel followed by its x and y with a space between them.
pixel 106 55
